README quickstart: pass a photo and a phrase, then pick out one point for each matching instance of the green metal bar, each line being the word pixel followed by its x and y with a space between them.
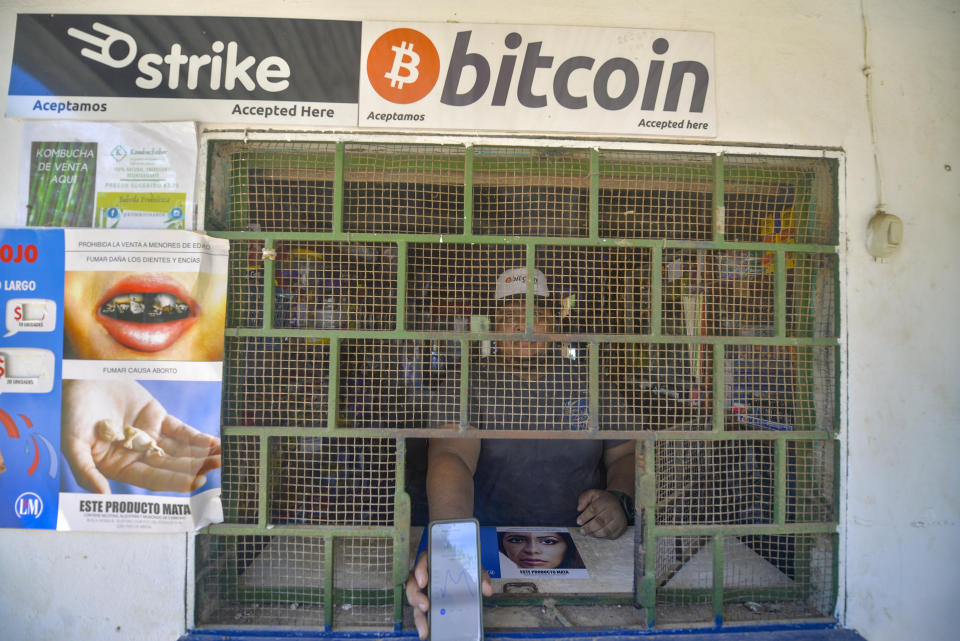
pixel 464 385
pixel 402 286
pixel 600 338
pixel 834 572
pixel 662 435
pixel 263 487
pixel 473 239
pixel 719 387
pixel 269 280
pixel 719 209
pixel 329 602
pixel 656 291
pixel 239 196
pixel 804 392
pixel 837 470
pixel 780 292
pixel 531 256
pixel 338 171
pixel 594 193
pixel 593 382
pixel 780 481
pixel 468 190
pixel 745 530
pixel 313 596
pixel 235 529
pixel 718 553
pixel 333 385
pixel 639 567
pixel 647 498
pixel 836 297
pixel 401 545
pixel 837 396
pixel 736 595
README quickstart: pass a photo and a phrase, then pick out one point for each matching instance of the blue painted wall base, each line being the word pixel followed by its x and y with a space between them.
pixel 753 633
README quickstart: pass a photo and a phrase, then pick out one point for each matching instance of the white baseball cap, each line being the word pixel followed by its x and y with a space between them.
pixel 514 281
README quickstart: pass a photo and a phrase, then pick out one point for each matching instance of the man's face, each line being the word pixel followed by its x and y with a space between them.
pixel 511 319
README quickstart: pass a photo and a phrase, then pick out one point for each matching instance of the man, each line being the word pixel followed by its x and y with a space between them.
pixel 526 385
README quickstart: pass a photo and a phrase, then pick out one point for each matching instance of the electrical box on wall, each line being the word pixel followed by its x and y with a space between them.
pixel 884 235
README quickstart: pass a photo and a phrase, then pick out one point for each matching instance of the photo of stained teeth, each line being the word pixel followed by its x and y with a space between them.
pixel 146 308
pixel 122 315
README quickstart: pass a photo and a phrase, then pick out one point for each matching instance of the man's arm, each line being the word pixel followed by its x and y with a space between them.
pixel 451 463
pixel 601 514
pixel 621 467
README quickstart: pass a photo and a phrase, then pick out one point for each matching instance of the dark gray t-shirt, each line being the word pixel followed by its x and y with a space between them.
pixel 530 481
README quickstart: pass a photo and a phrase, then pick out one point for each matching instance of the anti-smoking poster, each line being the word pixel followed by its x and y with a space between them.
pixel 530 553
pixel 107 175
pixel 111 379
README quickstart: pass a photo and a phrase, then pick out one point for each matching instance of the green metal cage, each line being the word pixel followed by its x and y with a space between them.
pixel 700 294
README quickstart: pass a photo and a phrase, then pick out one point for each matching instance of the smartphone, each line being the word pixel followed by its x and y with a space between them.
pixel 456 606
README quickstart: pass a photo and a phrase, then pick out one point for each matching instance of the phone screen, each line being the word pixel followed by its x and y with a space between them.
pixel 455 600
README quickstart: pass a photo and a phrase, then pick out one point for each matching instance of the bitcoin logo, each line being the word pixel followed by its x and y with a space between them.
pixel 403 66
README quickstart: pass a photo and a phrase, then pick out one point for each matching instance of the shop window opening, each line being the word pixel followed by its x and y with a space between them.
pixel 695 306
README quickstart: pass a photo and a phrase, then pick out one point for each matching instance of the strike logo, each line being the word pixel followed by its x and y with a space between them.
pixel 403 66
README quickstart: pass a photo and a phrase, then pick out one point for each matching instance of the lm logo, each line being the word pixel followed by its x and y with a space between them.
pixel 28 505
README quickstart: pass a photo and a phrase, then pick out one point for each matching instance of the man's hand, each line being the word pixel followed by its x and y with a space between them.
pixel 601 515
pixel 417 597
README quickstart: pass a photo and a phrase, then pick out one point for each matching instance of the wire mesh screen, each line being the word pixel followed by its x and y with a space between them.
pixel 780 200
pixel 509 391
pixel 707 328
pixel 785 576
pixel 407 189
pixel 448 283
pixel 245 284
pixel 363 583
pixel 322 285
pixel 716 293
pixel 811 295
pixel 258 580
pixel 521 191
pixel 765 577
pixel 714 482
pixel 811 482
pixel 265 186
pixel 779 387
pixel 391 384
pixel 240 482
pixel 684 578
pixel 597 290
pixel 276 381
pixel 646 195
pixel 668 387
pixel 332 481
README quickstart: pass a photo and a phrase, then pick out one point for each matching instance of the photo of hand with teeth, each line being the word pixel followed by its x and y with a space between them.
pixel 129 437
pixel 117 431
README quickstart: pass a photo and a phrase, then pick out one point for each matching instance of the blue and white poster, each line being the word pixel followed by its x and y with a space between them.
pixel 112 367
pixel 31 348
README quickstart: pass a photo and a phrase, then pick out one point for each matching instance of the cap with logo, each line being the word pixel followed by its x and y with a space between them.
pixel 513 282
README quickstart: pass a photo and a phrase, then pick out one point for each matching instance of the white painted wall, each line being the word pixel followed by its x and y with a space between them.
pixel 789 73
